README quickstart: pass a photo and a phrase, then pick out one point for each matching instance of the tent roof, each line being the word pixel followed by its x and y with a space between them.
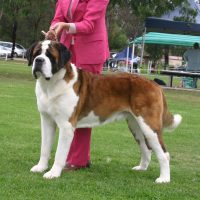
pixel 123 54
pixel 167 39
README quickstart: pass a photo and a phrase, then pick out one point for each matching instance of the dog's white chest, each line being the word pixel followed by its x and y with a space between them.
pixel 56 101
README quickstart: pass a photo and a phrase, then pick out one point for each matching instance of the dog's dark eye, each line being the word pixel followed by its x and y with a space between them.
pixel 50 56
pixel 37 53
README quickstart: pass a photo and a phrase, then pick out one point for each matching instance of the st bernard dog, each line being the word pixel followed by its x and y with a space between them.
pixel 70 98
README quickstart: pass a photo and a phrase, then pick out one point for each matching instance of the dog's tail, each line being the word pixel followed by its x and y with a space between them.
pixel 170 121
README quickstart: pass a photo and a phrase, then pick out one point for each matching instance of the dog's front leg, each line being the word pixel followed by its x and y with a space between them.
pixel 66 135
pixel 48 128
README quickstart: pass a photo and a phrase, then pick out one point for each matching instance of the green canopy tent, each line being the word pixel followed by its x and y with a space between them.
pixel 164 39
pixel 167 39
pixel 167 32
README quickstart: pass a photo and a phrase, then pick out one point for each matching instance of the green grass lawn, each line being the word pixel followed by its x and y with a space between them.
pixel 113 151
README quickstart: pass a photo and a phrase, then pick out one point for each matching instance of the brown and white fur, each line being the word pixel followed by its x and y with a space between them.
pixel 71 98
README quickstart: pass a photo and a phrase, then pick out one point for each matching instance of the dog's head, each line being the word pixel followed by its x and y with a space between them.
pixel 47 58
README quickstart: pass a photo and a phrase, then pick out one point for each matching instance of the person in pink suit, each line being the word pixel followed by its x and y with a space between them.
pixel 82 29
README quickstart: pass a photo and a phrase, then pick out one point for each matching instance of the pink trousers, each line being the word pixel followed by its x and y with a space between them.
pixel 79 153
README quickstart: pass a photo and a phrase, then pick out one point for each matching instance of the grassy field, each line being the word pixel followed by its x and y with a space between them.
pixel 113 151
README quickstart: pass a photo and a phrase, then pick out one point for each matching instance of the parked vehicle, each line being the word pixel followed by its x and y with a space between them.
pixel 19 51
pixel 4 52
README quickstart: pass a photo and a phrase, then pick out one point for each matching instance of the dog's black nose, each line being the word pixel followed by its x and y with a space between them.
pixel 37 67
pixel 39 60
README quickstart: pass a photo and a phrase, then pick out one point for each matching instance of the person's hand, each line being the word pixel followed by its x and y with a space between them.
pixel 58 27
pixel 50 35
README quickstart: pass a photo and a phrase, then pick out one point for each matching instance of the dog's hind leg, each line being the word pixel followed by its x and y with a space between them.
pixel 140 139
pixel 48 131
pixel 155 142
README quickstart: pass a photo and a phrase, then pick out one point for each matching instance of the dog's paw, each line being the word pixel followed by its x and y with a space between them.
pixel 139 168
pixel 55 172
pixel 38 168
pixel 162 180
pixel 52 174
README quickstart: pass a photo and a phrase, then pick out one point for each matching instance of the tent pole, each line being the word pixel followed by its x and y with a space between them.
pixel 127 57
pixel 143 41
pixel 132 56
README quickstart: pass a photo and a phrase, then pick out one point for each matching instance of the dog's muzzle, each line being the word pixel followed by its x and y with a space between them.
pixel 38 67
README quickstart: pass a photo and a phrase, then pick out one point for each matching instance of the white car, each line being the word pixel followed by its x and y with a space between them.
pixel 4 52
pixel 20 51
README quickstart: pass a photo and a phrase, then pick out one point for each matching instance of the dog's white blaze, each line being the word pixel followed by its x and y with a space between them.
pixel 92 120
pixel 45 46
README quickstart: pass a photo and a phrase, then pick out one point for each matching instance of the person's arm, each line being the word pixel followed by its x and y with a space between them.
pixel 95 10
pixel 58 17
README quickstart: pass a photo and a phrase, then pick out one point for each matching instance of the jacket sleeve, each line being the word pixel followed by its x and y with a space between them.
pixel 95 10
pixel 58 17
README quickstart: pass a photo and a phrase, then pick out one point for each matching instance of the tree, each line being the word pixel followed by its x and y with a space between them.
pixel 187 14
pixel 41 17
pixel 157 52
pixel 117 38
pixel 24 19
pixel 122 24
pixel 13 8
pixel 147 8
pixel 129 15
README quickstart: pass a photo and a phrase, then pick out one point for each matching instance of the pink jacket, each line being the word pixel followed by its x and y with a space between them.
pixel 90 40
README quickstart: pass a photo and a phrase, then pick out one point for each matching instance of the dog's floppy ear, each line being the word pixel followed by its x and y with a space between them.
pixel 65 55
pixel 29 53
